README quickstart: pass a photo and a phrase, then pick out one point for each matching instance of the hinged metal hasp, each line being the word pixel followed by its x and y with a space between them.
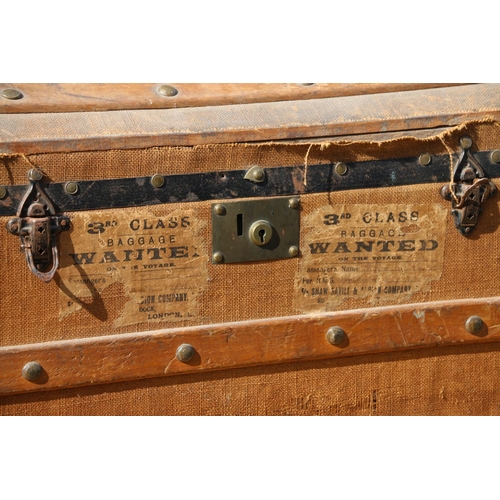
pixel 37 226
pixel 264 229
pixel 469 189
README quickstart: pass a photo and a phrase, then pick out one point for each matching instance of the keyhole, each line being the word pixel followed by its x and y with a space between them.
pixel 260 232
pixel 239 224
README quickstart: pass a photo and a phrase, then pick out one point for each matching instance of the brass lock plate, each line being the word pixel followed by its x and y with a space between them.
pixel 255 230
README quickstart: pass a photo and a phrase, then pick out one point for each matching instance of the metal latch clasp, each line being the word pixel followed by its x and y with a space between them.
pixel 37 226
pixel 469 189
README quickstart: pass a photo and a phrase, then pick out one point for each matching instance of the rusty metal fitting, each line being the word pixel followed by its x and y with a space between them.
pixel 11 94
pixel 474 324
pixel 218 257
pixel 341 168
pixel 465 142
pixel 495 156
pixel 220 209
pixel 167 91
pixel 425 159
pixel 32 371
pixel 335 335
pixel 157 180
pixel 71 187
pixel 185 353
pixel 34 175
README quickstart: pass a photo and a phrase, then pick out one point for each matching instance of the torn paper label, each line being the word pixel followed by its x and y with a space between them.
pixel 382 254
pixel 160 260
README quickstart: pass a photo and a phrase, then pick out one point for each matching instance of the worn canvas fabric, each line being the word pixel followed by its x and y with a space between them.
pixel 459 380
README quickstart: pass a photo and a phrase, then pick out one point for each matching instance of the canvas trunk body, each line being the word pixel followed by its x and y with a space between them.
pixel 255 249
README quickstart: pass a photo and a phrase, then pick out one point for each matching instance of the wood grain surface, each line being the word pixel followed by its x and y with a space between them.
pixel 418 109
pixel 152 354
pixel 70 97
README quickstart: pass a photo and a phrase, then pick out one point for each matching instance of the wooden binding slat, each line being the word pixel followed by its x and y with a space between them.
pixel 152 354
pixel 74 97
pixel 419 109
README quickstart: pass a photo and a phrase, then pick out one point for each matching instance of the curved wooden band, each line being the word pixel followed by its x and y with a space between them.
pixel 258 121
pixel 75 97
pixel 153 354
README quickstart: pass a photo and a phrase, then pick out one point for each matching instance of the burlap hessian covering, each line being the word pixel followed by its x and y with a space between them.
pixel 461 380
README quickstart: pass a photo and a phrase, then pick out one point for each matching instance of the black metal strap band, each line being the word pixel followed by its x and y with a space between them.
pixel 279 181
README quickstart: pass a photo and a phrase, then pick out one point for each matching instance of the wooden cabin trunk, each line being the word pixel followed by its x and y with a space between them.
pixel 298 249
